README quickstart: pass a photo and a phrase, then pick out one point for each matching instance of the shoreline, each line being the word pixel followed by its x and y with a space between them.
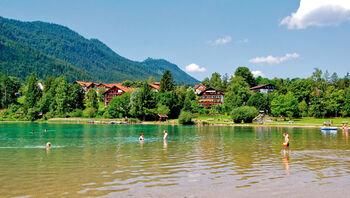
pixel 199 123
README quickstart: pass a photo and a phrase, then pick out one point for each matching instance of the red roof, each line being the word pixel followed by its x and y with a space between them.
pixel 199 88
pixel 106 85
pixel 155 85
pixel 85 84
pixel 119 86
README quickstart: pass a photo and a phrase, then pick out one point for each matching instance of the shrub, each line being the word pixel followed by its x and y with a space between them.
pixel 32 114
pixel 89 112
pixel 133 120
pixel 76 113
pixel 245 114
pixel 185 118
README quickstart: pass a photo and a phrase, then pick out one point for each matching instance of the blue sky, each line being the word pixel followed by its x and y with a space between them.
pixel 273 38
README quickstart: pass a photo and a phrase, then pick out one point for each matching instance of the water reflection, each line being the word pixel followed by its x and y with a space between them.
pixel 109 160
pixel 285 160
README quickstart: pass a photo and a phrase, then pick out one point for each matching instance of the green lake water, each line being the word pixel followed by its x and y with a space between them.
pixel 110 161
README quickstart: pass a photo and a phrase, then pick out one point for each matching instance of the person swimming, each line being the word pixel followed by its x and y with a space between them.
pixel 286 140
pixel 48 145
pixel 165 135
pixel 142 137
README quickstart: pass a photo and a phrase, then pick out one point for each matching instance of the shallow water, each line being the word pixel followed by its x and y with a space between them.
pixel 109 161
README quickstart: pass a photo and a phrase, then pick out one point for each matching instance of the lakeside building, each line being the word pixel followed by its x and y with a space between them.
pixel 208 97
pixel 114 90
pixel 267 88
pixel 111 90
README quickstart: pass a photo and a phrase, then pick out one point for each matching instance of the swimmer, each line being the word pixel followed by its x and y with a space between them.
pixel 45 130
pixel 142 137
pixel 165 135
pixel 286 140
pixel 48 145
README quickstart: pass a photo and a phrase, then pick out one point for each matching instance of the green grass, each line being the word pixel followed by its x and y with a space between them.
pixel 213 119
pixel 307 121
pixel 314 121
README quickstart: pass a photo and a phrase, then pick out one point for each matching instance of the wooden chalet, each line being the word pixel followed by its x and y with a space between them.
pixel 210 97
pixel 267 88
pixel 114 90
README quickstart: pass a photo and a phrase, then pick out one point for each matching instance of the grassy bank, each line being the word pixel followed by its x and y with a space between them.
pixel 218 120
pixel 302 122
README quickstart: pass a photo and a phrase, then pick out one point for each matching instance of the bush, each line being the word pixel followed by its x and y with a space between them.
pixel 185 118
pixel 89 112
pixel 76 113
pixel 245 114
pixel 133 120
pixel 32 114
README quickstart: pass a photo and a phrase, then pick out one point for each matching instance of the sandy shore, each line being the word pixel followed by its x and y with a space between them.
pixel 170 122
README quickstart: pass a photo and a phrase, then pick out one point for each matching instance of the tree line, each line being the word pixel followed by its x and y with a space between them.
pixel 320 95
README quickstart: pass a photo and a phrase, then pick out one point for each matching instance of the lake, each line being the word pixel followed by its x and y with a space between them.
pixel 109 161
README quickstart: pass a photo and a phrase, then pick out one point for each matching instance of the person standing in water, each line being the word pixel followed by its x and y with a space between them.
pixel 48 146
pixel 286 140
pixel 142 137
pixel 165 136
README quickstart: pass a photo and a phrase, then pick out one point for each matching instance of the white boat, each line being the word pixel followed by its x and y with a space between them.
pixel 329 128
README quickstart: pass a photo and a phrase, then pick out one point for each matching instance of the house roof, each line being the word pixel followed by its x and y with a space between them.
pixel 85 84
pixel 260 86
pixel 211 89
pixel 119 86
pixel 155 85
pixel 199 88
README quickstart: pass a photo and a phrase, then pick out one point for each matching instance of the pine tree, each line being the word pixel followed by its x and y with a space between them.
pixel 167 82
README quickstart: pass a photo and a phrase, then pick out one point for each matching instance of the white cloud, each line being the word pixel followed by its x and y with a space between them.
pixel 318 13
pixel 273 60
pixel 195 68
pixel 221 41
pixel 258 73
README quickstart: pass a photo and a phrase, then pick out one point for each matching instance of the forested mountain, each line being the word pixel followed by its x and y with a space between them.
pixel 52 50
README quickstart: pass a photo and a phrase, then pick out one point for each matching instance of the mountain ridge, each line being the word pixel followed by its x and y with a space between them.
pixel 52 49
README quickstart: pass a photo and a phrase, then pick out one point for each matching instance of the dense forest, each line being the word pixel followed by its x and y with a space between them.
pixel 53 50
pixel 320 95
